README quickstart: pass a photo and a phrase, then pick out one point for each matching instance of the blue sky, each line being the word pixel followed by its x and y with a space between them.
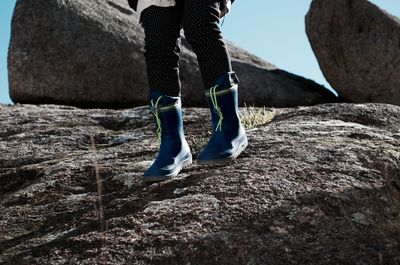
pixel 273 30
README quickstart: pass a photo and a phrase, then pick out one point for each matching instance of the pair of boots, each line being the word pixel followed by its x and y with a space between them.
pixel 227 141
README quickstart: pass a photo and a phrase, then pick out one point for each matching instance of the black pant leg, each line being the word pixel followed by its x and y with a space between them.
pixel 162 27
pixel 201 27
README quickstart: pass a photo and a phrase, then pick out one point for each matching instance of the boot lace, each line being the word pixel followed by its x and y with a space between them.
pixel 154 109
pixel 214 101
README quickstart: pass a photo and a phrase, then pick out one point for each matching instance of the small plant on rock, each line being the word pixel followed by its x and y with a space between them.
pixel 252 117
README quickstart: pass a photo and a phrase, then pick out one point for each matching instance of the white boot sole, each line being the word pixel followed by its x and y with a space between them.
pixel 224 161
pixel 184 164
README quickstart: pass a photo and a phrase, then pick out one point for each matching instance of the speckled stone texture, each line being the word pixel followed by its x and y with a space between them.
pixel 358 49
pixel 317 185
pixel 89 53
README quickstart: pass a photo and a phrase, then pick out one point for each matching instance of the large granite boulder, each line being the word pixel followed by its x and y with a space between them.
pixel 90 53
pixel 317 185
pixel 357 47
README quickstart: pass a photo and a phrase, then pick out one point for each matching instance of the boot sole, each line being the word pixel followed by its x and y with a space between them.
pixel 184 164
pixel 224 161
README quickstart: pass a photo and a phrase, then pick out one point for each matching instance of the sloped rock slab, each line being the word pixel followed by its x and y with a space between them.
pixel 317 185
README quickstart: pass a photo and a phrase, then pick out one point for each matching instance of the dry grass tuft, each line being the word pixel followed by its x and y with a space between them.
pixel 252 117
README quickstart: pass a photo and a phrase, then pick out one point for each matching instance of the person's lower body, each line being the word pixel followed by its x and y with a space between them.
pixel 200 22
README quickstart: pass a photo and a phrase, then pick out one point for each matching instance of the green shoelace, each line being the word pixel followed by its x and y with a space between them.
pixel 155 109
pixel 213 95
pixel 214 101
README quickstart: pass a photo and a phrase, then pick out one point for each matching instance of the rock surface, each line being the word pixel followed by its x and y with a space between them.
pixel 317 185
pixel 90 53
pixel 357 47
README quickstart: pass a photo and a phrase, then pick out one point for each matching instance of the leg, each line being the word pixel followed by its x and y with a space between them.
pixel 201 27
pixel 162 46
pixel 162 28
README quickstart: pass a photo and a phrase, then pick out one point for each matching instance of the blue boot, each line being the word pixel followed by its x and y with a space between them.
pixel 228 138
pixel 174 151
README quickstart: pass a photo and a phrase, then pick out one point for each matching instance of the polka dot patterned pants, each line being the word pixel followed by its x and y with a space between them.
pixel 200 22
